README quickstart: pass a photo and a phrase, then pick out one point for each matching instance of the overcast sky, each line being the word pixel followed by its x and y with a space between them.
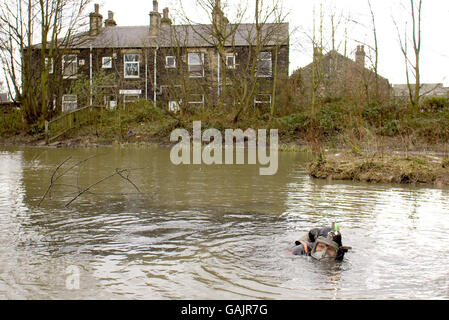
pixel 435 24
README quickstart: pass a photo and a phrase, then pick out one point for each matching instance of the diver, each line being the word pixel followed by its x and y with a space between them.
pixel 321 244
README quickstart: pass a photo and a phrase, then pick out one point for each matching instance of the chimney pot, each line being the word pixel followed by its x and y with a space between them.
pixel 155 20
pixel 96 21
pixel 360 56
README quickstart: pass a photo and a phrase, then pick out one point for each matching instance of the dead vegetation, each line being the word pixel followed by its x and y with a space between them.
pixel 381 168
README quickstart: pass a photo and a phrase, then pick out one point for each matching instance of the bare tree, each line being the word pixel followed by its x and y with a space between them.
pixel 51 23
pixel 415 15
pixel 376 52
pixel 241 83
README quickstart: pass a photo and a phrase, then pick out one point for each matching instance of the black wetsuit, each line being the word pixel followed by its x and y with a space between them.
pixel 299 249
pixel 309 241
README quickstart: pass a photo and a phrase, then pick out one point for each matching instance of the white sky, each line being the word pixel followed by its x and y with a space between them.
pixel 435 23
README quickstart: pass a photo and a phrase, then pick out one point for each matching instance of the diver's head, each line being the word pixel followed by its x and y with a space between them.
pixel 328 245
pixel 325 249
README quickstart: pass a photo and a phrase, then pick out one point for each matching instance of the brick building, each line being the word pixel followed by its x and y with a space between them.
pixel 172 65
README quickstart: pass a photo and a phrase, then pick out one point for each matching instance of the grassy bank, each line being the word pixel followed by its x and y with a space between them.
pixel 406 169
pixel 334 124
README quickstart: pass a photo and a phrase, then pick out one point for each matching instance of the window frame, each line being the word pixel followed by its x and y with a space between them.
pixel 233 61
pixel 189 64
pixel 69 102
pixel 72 62
pixel 104 65
pixel 49 62
pixel 190 102
pixel 108 100
pixel 167 65
pixel 260 101
pixel 260 60
pixel 125 63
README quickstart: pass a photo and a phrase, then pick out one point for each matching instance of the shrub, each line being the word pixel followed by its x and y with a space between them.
pixel 11 123
pixel 377 114
pixel 294 123
pixel 331 118
pixel 390 129
pixel 435 104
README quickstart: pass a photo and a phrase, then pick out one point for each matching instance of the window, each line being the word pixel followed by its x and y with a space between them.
pixel 262 99
pixel 69 102
pixel 230 62
pixel 264 65
pixel 49 64
pixel 107 63
pixel 196 65
pixel 196 99
pixel 170 62
pixel 131 65
pixel 173 106
pixel 69 66
pixel 110 102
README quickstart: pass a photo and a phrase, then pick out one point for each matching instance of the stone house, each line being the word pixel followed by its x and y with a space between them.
pixel 169 64
pixel 339 77
pixel 426 90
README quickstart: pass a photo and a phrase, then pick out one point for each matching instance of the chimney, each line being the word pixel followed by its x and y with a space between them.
pixel 110 22
pixel 360 56
pixel 155 20
pixel 165 17
pixel 218 18
pixel 96 21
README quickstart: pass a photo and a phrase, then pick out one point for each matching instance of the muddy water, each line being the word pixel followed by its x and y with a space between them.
pixel 208 232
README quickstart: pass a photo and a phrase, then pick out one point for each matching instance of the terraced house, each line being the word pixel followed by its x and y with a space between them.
pixel 176 66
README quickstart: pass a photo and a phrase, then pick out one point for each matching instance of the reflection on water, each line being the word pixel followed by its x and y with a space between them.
pixel 202 232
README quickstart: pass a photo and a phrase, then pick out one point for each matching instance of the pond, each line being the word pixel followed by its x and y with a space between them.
pixel 208 232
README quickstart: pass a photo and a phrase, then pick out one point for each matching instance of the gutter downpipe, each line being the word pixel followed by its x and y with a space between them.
pixel 155 76
pixel 218 74
pixel 91 78
pixel 146 76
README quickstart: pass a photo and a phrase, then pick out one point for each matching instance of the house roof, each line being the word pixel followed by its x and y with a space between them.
pixel 184 35
pixel 341 61
pixel 426 89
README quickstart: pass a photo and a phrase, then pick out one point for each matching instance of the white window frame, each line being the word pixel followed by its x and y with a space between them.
pixel 108 101
pixel 173 106
pixel 197 102
pixel 201 54
pixel 232 66
pixel 70 100
pixel 260 59
pixel 73 62
pixel 257 99
pixel 125 63
pixel 49 62
pixel 167 65
pixel 106 64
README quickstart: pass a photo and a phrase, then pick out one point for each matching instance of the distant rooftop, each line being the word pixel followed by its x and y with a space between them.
pixel 427 89
pixel 179 35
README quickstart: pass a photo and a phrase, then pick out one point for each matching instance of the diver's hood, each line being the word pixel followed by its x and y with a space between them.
pixel 324 255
